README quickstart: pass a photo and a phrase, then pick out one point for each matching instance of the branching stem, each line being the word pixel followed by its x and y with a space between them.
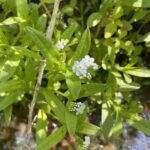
pixel 49 34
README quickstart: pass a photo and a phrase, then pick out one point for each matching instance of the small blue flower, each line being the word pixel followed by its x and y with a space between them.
pixel 88 61
pixel 79 68
pixel 80 108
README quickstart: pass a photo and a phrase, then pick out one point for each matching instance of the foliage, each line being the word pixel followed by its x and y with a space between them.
pixel 113 32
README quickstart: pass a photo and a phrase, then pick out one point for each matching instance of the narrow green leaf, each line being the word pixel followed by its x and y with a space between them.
pixel 71 122
pixel 22 8
pixel 140 14
pixel 10 99
pixel 144 38
pixel 41 126
pixel 3 38
pixel 106 120
pixel 83 46
pixel 41 23
pixel 12 20
pixel 91 89
pixel 11 5
pixel 94 19
pixel 67 34
pixel 136 3
pixel 139 72
pixel 140 123
pixel 110 29
pixel 74 87
pixel 117 12
pixel 56 104
pixel 7 115
pixel 88 128
pixel 26 52
pixel 123 86
pixel 44 45
pixel 11 85
pixel 47 1
pixel 52 139
pixel 8 68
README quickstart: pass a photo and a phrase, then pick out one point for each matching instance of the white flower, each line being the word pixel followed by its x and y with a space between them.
pixel 86 142
pixel 61 44
pixel 95 66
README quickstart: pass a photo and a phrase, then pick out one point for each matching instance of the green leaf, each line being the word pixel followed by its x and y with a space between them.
pixel 47 1
pixel 139 72
pixel 41 126
pixel 22 8
pixel 26 52
pixel 41 23
pixel 10 99
pixel 12 20
pixel 31 70
pixel 67 10
pixel 88 128
pixel 11 5
pixel 71 122
pixel 11 85
pixel 123 86
pixel 3 38
pixel 110 29
pixel 117 128
pixel 145 38
pixel 94 19
pixel 52 139
pixel 140 124
pixel 140 14
pixel 8 68
pixel 83 46
pixel 56 104
pixel 91 89
pixel 74 87
pixel 67 34
pixel 7 115
pixel 108 126
pixel 106 121
pixel 117 12
pixel 44 45
pixel 136 3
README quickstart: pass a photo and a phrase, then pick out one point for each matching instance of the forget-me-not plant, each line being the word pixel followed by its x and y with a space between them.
pixel 80 68
pixel 80 109
pixel 61 44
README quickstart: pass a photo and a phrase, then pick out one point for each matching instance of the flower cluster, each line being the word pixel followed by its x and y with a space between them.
pixel 86 142
pixel 80 68
pixel 78 108
pixel 61 44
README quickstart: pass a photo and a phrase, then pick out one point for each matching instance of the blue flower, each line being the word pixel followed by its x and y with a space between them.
pixel 79 68
pixel 80 108
pixel 88 61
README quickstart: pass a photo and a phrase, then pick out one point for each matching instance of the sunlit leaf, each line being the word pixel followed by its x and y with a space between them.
pixel 94 19
pixel 12 20
pixel 136 3
pixel 52 139
pixel 139 72
pixel 83 46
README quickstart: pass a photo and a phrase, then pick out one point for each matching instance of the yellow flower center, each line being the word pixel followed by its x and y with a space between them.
pixel 80 67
